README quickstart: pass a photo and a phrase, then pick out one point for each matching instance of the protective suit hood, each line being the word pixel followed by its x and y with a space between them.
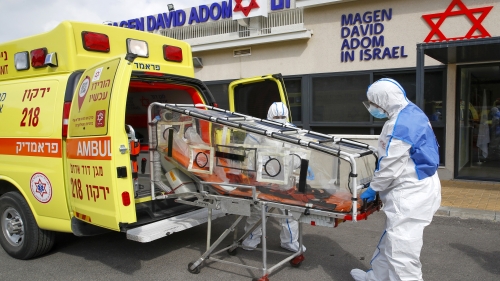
pixel 278 109
pixel 389 95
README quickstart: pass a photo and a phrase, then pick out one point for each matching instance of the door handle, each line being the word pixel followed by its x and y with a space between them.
pixel 123 149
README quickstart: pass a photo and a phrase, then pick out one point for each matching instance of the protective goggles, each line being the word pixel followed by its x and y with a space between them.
pixel 367 104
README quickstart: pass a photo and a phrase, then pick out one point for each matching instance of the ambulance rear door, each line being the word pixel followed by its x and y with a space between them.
pixel 98 159
pixel 253 96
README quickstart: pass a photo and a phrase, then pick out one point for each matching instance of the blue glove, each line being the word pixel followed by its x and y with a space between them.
pixel 369 194
pixel 310 173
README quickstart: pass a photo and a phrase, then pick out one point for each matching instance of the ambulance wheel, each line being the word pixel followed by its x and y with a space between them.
pixel 20 237
pixel 196 270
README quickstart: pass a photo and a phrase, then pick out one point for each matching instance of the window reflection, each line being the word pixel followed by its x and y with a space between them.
pixel 294 92
pixel 219 91
pixel 339 98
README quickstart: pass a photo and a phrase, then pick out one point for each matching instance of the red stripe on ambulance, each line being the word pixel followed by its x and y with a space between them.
pixel 31 147
pixel 97 148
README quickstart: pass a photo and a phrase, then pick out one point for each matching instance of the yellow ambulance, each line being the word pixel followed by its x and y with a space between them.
pixel 74 143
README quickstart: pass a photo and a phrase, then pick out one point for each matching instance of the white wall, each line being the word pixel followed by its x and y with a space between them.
pixel 321 53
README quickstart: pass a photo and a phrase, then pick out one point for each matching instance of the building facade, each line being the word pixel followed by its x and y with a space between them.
pixel 445 53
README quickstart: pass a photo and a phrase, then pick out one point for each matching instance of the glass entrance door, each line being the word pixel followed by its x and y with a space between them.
pixel 478 116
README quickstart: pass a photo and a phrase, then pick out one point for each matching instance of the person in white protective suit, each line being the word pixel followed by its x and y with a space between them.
pixel 289 227
pixel 406 180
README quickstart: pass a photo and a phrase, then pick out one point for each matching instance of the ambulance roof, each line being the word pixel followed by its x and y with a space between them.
pixel 67 42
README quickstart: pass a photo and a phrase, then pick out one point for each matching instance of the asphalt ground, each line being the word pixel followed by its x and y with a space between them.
pixel 454 249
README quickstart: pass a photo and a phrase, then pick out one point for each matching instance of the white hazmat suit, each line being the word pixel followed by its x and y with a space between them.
pixel 289 227
pixel 407 181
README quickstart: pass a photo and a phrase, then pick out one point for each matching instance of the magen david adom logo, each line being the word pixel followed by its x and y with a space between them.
pixel 41 187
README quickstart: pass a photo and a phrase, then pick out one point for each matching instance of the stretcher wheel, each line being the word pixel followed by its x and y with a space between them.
pixel 196 270
pixel 233 252
pixel 297 261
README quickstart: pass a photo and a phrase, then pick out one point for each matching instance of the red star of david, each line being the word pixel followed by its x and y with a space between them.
pixel 246 10
pixel 40 187
pixel 462 10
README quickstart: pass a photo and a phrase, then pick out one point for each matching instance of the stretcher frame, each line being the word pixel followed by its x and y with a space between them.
pixel 241 207
pixel 206 198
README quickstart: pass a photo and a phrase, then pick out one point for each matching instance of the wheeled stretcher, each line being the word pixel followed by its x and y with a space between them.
pixel 229 162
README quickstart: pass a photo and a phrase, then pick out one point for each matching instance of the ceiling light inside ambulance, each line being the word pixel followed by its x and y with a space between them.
pixel 137 47
pixel 38 57
pixel 97 42
pixel 21 60
pixel 172 53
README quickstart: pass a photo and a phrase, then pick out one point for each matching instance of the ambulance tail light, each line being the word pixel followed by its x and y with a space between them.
pixel 96 42
pixel 66 108
pixel 125 198
pixel 172 53
pixel 137 47
pixel 38 57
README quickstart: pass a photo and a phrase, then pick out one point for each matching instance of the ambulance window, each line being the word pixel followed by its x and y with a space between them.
pixel 71 86
pixel 254 99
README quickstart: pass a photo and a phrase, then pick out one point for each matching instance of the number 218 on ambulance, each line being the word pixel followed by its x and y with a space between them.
pixel 73 113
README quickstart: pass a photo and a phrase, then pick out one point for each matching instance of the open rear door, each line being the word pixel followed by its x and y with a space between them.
pixel 98 159
pixel 253 96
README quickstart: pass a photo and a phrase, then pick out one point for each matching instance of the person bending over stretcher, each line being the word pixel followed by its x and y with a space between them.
pixel 407 181
pixel 289 227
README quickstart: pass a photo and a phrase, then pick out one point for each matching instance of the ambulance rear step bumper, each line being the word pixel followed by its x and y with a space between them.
pixel 160 229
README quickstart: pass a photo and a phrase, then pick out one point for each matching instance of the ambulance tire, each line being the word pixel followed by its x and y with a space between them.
pixel 33 241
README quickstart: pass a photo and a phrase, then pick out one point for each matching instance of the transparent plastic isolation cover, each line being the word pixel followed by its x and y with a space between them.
pixel 262 154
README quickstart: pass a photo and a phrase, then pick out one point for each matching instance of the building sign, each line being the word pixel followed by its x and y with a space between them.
pixel 230 9
pixel 457 8
pixel 363 38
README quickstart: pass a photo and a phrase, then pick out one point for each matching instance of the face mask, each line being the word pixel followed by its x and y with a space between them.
pixel 377 112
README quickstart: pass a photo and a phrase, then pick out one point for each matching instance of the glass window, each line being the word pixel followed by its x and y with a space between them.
pixel 219 91
pixel 433 90
pixel 440 137
pixel 407 81
pixel 294 92
pixel 478 137
pixel 339 98
pixel 434 106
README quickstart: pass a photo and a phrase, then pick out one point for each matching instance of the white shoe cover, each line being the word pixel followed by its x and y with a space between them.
pixel 293 247
pixel 358 274
pixel 250 244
